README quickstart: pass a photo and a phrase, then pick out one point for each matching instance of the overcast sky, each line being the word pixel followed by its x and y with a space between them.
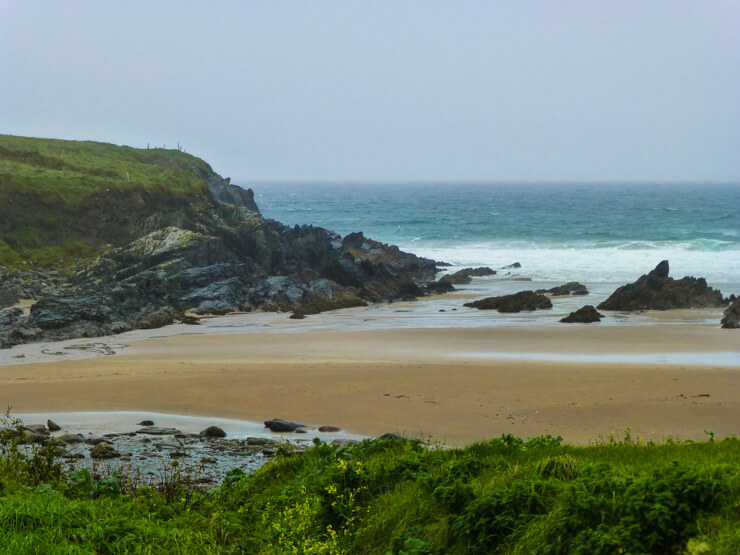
pixel 373 91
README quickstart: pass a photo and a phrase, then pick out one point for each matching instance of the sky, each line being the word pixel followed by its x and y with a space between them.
pixel 398 90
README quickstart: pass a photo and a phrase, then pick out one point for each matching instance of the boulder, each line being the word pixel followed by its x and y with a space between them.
pixel 212 431
pixel 584 315
pixel 53 426
pixel 71 438
pixel 391 435
pixel 657 291
pixel 514 265
pixel 524 300
pixel 36 428
pixel 280 425
pixel 731 317
pixel 329 429
pixel 570 288
pixel 146 423
pixel 104 451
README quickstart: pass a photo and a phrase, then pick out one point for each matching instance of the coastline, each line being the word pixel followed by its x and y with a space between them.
pixel 421 382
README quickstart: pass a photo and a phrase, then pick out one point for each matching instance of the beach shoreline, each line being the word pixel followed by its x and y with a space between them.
pixel 420 382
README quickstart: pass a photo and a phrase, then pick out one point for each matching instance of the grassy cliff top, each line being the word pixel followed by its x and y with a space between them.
pixel 71 171
pixel 61 201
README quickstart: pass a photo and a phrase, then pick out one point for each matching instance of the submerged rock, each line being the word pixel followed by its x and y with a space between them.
pixel 657 291
pixel 584 315
pixel 524 300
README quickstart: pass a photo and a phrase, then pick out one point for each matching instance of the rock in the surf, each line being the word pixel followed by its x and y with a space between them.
pixel 657 291
pixel 524 300
pixel 280 425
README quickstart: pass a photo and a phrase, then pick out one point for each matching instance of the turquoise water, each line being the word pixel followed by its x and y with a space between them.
pixel 596 233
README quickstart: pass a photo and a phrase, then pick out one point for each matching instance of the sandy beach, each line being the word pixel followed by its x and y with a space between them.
pixel 451 385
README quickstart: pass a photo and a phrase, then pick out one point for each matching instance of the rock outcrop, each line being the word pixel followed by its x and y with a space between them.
pixel 657 291
pixel 731 317
pixel 518 302
pixel 584 315
pixel 254 264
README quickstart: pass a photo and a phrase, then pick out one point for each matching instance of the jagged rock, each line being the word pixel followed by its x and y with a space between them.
pixel 328 429
pixel 280 425
pixel 53 426
pixel 585 315
pixel 104 451
pixel 731 317
pixel 570 288
pixel 212 431
pixel 657 291
pixel 227 193
pixel 524 300
pixel 464 276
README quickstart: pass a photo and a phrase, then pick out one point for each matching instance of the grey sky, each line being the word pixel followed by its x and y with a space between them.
pixel 481 91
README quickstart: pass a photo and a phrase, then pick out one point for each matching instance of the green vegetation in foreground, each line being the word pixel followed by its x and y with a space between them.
pixel 45 181
pixel 397 496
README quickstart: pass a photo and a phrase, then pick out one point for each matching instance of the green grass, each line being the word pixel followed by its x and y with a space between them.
pixel 49 186
pixel 400 497
pixel 71 171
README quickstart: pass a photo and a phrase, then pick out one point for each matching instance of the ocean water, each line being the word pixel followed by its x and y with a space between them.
pixel 558 232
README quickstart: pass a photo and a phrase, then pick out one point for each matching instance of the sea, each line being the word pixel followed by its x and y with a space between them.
pixel 595 233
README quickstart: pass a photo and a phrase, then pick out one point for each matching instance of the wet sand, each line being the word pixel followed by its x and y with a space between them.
pixel 416 381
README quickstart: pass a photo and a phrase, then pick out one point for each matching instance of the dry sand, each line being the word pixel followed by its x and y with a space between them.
pixel 420 382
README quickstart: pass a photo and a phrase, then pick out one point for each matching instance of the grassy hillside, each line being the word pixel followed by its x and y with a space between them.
pixel 48 187
pixel 399 497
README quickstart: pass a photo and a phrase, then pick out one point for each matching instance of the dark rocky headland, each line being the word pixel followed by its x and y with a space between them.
pixel 110 238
